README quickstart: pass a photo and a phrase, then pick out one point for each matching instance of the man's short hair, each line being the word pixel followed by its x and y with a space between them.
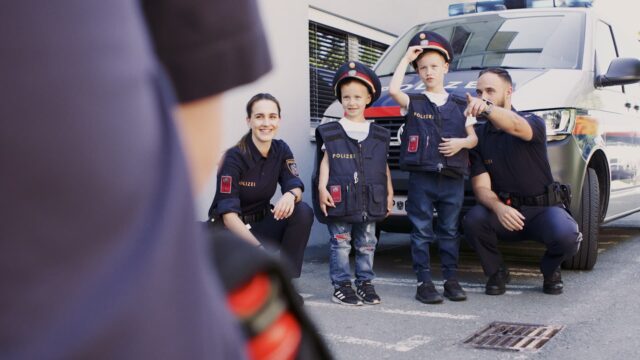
pixel 502 73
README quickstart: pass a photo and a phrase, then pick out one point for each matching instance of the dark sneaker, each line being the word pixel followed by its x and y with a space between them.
pixel 428 294
pixel 553 284
pixel 367 293
pixel 496 285
pixel 346 296
pixel 453 291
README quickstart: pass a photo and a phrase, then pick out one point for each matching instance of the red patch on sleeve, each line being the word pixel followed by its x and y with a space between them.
pixel 225 184
pixel 413 143
pixel 336 193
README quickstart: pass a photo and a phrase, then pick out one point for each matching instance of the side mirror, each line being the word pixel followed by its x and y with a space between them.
pixel 621 71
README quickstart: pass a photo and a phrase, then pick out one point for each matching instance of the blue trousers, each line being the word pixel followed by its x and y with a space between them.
pixel 551 226
pixel 429 190
pixel 364 240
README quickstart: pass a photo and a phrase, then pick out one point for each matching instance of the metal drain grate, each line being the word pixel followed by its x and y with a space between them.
pixel 513 336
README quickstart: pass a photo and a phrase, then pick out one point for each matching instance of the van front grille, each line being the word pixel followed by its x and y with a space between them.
pixel 393 124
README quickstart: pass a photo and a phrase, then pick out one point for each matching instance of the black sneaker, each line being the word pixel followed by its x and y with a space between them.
pixel 453 291
pixel 428 294
pixel 553 284
pixel 346 296
pixel 367 293
pixel 496 285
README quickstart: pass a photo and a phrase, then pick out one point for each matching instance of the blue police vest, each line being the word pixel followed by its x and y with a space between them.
pixel 425 126
pixel 357 174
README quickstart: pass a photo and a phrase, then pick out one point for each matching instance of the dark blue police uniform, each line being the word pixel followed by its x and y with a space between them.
pixel 520 173
pixel 435 181
pixel 100 253
pixel 246 183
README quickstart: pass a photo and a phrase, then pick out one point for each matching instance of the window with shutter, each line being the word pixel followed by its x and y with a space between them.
pixel 328 49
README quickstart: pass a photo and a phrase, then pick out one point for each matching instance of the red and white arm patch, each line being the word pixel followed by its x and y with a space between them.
pixel 225 184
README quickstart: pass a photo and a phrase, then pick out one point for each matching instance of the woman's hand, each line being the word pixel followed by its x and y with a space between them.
pixel 284 207
pixel 325 200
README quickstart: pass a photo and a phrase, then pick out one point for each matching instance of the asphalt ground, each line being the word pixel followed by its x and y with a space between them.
pixel 598 312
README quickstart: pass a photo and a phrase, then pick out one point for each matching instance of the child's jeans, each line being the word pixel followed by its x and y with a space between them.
pixel 429 190
pixel 364 240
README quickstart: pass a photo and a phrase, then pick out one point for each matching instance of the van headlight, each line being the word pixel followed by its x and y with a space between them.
pixel 559 122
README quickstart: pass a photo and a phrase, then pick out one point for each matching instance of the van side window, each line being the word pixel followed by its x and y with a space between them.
pixel 605 50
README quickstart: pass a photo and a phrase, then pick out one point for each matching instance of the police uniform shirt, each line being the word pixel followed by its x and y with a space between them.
pixel 247 180
pixel 515 166
pixel 101 254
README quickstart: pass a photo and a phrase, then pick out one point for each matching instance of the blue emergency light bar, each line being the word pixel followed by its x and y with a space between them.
pixel 496 5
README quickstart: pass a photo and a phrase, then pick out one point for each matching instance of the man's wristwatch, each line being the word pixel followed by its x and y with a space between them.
pixel 487 111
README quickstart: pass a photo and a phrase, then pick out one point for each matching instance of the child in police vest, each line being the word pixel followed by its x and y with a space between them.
pixel 354 183
pixel 434 143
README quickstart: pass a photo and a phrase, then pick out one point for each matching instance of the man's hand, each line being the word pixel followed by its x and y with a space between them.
pixel 284 207
pixel 450 146
pixel 509 217
pixel 325 200
pixel 413 52
pixel 475 106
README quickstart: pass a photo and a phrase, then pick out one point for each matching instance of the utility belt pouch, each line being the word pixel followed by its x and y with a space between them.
pixel 559 194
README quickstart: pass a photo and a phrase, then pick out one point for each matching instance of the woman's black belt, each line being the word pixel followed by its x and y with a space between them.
pixel 256 216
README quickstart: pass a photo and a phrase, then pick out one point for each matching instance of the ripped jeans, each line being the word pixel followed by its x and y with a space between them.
pixel 364 240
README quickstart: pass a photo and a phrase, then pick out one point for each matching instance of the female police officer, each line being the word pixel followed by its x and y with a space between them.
pixel 247 180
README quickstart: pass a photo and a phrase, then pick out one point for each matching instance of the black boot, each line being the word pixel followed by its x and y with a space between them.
pixel 553 284
pixel 496 285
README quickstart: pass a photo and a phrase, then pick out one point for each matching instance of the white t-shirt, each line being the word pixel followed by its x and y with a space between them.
pixel 440 99
pixel 355 130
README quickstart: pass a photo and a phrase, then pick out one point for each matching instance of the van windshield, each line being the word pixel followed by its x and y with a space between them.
pixel 539 41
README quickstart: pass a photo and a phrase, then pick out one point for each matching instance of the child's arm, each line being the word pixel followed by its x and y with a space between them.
pixel 323 178
pixel 396 81
pixel 389 192
pixel 451 146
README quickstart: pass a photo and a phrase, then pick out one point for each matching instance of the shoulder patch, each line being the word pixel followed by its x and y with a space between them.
pixel 225 184
pixel 293 167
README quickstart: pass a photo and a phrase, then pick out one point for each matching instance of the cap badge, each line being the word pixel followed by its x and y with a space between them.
pixel 424 43
pixel 352 65
pixel 423 36
pixel 352 73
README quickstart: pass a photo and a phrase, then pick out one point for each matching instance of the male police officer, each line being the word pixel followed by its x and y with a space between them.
pixel 513 185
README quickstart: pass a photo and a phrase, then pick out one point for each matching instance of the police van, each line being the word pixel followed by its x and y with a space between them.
pixel 569 66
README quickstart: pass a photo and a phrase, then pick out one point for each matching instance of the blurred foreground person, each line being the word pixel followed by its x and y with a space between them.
pixel 100 255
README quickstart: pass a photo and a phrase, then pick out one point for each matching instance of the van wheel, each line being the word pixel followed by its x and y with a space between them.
pixel 588 219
